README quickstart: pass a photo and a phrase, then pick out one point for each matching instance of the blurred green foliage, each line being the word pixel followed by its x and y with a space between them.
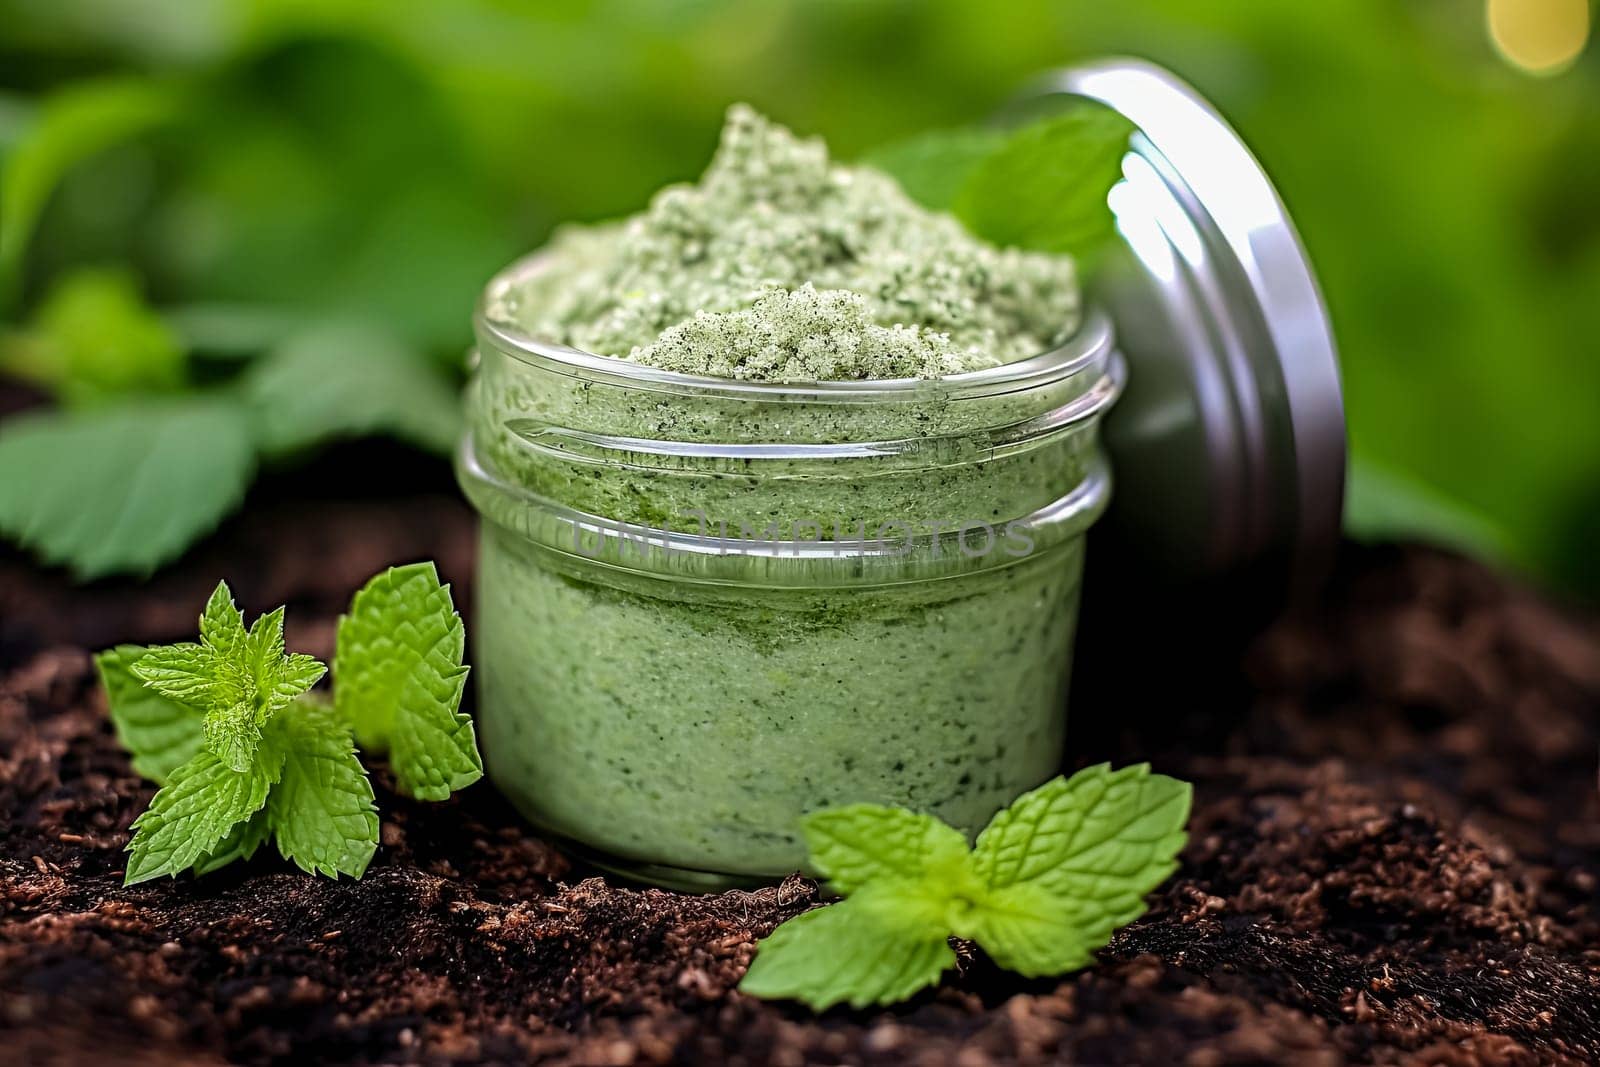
pixel 257 163
pixel 93 338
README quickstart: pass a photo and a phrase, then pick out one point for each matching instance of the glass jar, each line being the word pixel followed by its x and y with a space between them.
pixel 706 607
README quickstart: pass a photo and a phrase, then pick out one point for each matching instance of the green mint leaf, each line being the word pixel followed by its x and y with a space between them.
pixel 191 815
pixel 863 843
pixel 1096 843
pixel 239 679
pixel 879 946
pixel 1030 930
pixel 1045 189
pixel 161 734
pixel 279 677
pixel 932 167
pixel 299 672
pixel 93 339
pixel 73 125
pixel 240 843
pixel 398 680
pixel 221 623
pixel 122 488
pixel 321 811
pixel 350 380
pixel 234 734
pixel 1049 880
pixel 181 672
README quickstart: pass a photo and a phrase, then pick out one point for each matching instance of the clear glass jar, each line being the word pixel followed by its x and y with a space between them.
pixel 708 606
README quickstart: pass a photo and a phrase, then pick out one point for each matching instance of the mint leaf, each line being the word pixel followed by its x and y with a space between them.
pixel 321 811
pixel 1068 863
pixel 280 677
pixel 233 733
pixel 239 679
pixel 221 623
pixel 1042 186
pixel 350 380
pixel 181 672
pixel 879 946
pixel 94 338
pixel 161 734
pixel 398 680
pixel 863 843
pixel 122 488
pixel 240 843
pixel 1045 189
pixel 933 167
pixel 1049 880
pixel 1030 930
pixel 1102 835
pixel 191 815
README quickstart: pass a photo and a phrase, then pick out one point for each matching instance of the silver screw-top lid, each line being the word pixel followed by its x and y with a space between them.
pixel 1229 445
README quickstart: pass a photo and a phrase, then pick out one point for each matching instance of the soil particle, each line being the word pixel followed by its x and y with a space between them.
pixel 1394 858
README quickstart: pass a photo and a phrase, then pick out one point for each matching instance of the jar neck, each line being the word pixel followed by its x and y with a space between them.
pixel 567 446
pixel 781 555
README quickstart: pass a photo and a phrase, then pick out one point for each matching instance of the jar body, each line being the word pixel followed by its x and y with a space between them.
pixel 705 608
pixel 689 726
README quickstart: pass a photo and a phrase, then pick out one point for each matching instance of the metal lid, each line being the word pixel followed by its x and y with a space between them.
pixel 1229 444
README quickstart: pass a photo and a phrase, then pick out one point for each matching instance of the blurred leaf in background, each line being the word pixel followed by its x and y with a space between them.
pixel 261 165
pixel 124 487
pixel 1042 186
pixel 68 127
pixel 1381 504
pixel 934 167
pixel 93 337
pixel 339 380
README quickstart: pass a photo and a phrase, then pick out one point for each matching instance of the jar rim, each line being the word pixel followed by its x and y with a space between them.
pixel 1089 348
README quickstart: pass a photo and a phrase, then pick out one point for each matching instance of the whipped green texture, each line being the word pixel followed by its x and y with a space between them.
pixel 676 710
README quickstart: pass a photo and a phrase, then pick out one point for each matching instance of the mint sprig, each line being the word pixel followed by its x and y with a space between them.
pixel 1047 883
pixel 238 679
pixel 246 752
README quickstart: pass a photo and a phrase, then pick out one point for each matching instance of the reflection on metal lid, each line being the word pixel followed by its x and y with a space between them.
pixel 1229 445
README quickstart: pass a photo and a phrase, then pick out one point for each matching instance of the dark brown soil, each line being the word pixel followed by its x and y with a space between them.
pixel 1394 858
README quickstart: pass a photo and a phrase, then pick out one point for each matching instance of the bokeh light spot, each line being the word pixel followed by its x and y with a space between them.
pixel 1540 36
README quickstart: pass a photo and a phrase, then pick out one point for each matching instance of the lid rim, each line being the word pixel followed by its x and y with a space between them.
pixel 1223 189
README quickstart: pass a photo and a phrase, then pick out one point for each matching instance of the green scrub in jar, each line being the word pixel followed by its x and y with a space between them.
pixel 784 483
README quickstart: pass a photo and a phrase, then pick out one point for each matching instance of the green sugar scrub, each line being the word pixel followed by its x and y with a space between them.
pixel 803 335
pixel 785 482
pixel 772 212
